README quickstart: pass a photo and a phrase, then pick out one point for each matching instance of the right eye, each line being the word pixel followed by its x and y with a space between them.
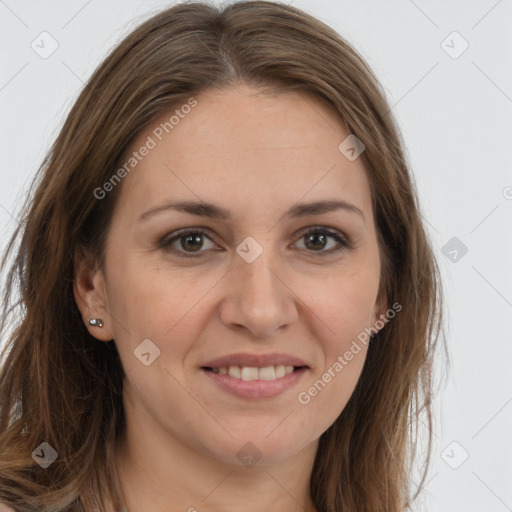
pixel 187 239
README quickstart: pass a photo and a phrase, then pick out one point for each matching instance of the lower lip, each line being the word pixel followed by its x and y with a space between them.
pixel 256 388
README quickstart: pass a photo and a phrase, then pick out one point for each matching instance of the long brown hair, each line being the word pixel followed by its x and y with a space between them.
pixel 61 386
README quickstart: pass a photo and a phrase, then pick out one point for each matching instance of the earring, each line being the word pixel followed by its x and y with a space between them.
pixel 96 322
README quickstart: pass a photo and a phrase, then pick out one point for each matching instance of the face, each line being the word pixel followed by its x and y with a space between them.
pixel 267 284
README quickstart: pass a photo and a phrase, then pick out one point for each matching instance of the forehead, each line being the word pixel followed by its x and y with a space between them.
pixel 246 146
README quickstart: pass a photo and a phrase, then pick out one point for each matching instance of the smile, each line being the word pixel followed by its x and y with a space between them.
pixel 248 373
pixel 254 382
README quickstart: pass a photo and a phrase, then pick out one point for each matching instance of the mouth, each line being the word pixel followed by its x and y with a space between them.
pixel 252 376
pixel 251 373
pixel 254 382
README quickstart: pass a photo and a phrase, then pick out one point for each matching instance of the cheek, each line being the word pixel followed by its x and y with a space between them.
pixel 164 304
pixel 344 312
pixel 344 341
pixel 346 301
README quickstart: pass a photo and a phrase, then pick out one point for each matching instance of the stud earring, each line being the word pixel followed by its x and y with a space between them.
pixel 96 322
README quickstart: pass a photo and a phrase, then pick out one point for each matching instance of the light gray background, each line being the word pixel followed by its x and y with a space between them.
pixel 455 114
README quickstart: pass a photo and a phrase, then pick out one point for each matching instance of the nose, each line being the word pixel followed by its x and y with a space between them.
pixel 258 298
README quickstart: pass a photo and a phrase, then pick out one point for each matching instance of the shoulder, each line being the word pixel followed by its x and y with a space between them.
pixel 5 508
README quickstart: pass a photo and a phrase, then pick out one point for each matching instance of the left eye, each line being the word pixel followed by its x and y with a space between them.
pixel 191 241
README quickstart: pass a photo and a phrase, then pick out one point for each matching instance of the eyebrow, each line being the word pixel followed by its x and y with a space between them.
pixel 213 211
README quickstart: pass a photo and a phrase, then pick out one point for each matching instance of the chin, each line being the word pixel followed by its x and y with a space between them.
pixel 255 447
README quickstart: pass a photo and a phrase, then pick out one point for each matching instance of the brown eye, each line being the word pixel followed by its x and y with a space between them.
pixel 185 242
pixel 193 241
pixel 317 239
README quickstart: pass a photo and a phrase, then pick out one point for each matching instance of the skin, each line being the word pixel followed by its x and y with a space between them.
pixel 255 153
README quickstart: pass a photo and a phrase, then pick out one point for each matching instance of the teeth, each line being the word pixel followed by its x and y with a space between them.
pixel 267 373
pixel 254 373
pixel 280 371
pixel 249 373
pixel 234 371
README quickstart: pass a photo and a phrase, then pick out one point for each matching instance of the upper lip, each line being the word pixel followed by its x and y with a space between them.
pixel 254 360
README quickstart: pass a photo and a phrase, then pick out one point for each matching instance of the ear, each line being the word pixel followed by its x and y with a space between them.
pixel 90 294
pixel 379 310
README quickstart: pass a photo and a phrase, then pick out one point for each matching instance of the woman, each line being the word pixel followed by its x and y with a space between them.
pixel 228 298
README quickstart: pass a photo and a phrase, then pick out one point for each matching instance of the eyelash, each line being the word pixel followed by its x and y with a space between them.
pixel 343 241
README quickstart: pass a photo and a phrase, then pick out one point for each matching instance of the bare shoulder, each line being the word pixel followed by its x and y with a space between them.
pixel 5 508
